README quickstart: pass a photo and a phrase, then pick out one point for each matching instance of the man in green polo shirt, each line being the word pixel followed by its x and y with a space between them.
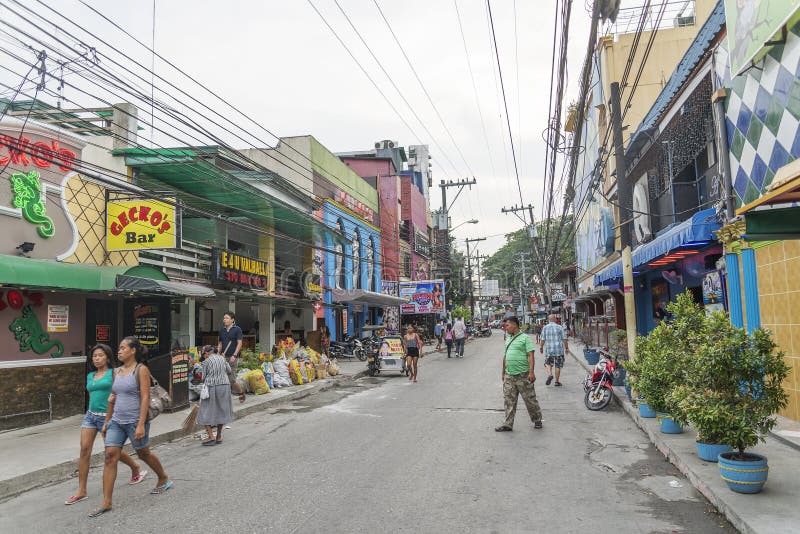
pixel 518 376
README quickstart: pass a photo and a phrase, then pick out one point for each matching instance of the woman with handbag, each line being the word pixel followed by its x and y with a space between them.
pixel 98 383
pixel 126 419
pixel 216 408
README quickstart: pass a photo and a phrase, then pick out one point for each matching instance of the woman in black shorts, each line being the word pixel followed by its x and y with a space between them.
pixel 413 347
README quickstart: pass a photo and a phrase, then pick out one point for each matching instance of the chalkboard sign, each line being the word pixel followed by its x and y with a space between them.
pixel 149 320
pixel 179 378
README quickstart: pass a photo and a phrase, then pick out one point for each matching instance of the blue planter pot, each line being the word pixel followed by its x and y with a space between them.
pixel 710 451
pixel 592 356
pixel 628 391
pixel 746 476
pixel 668 425
pixel 619 380
pixel 646 411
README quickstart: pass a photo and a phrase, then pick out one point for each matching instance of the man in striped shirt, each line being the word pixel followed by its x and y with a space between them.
pixel 554 340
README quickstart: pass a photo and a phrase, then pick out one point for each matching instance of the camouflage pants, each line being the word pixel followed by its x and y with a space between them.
pixel 513 387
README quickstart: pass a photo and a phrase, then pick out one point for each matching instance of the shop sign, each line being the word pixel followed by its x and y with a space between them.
pixel 236 270
pixel 102 332
pixel 356 206
pixel 422 296
pixel 145 324
pixel 57 318
pixel 141 224
pixel 344 320
pixel 33 207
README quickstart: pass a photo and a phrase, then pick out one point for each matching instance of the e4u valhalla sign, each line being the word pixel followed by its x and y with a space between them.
pixel 231 269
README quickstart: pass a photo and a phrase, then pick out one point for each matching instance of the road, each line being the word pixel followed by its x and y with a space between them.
pixel 386 455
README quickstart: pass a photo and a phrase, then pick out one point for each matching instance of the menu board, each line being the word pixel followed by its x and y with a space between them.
pixel 179 378
pixel 145 323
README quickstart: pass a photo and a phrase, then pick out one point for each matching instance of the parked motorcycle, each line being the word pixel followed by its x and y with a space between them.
pixel 599 385
pixel 351 347
pixel 483 332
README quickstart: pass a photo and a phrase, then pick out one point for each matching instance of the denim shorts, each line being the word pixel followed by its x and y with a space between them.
pixel 93 420
pixel 118 433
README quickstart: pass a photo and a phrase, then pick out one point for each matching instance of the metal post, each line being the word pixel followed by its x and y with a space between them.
pixel 625 214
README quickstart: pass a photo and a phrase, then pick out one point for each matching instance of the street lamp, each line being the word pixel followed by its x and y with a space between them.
pixel 471 221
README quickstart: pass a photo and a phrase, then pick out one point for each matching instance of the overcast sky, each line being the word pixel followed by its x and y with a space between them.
pixel 279 63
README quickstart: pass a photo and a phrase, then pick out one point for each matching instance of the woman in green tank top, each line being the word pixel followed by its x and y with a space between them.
pixel 98 384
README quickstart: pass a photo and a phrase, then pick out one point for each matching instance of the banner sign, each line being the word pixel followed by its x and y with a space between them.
pixel 750 24
pixel 422 296
pixel 712 293
pixel 233 269
pixel 141 224
pixel 490 288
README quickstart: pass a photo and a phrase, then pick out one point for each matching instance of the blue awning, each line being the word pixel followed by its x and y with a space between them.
pixel 697 231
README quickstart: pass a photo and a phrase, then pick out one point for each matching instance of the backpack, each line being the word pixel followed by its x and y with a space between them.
pixel 159 398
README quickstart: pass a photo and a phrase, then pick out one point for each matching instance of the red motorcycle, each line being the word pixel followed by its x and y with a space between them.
pixel 599 385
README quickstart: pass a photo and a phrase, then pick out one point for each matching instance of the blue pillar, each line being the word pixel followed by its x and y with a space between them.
pixel 751 289
pixel 734 289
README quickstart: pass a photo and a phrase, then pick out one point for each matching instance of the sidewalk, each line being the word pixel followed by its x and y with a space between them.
pixel 774 510
pixel 48 453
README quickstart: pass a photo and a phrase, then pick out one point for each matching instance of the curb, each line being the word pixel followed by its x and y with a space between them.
pixel 696 479
pixel 54 474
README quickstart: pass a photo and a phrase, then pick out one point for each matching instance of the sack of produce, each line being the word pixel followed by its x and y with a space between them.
pixel 296 373
pixel 322 372
pixel 257 382
pixel 333 367
pixel 281 367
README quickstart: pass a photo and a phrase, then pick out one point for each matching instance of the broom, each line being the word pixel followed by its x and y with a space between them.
pixel 191 420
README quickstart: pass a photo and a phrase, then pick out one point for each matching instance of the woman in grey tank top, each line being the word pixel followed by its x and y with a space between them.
pixel 126 419
pixel 413 348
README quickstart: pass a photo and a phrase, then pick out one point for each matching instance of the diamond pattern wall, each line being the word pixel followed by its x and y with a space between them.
pixel 86 202
pixel 763 118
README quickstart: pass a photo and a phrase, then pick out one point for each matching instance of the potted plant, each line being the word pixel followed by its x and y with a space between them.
pixel 736 389
pixel 660 363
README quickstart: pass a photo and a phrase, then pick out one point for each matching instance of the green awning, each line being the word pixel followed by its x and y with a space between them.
pixel 27 272
pixel 148 285
pixel 772 224
pixel 221 181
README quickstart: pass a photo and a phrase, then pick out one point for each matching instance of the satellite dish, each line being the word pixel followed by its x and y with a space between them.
pixel 672 276
pixel 641 222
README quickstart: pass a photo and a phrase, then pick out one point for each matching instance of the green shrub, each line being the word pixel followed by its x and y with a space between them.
pixel 734 385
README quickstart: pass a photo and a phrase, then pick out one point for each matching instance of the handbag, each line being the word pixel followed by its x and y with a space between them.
pixel 159 398
pixel 203 391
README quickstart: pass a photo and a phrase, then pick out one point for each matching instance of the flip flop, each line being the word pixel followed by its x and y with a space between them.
pixel 503 428
pixel 75 498
pixel 158 490
pixel 99 511
pixel 138 478
pixel 209 443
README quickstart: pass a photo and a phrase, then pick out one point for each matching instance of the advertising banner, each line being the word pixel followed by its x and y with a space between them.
pixel 235 270
pixel 422 296
pixel 752 23
pixel 391 314
pixel 712 292
pixel 141 224
pixel 490 288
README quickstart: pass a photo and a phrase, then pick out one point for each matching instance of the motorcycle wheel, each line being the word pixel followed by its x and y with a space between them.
pixel 361 354
pixel 598 399
pixel 372 371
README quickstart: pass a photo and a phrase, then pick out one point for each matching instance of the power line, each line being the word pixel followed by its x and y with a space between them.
pixel 505 102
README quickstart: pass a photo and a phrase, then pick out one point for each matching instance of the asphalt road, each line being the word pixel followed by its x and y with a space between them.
pixel 386 455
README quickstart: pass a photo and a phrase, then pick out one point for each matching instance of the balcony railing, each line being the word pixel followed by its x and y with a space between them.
pixel 190 262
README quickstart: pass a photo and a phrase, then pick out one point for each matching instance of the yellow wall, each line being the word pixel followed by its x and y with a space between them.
pixel 668 49
pixel 778 268
pixel 266 251
pixel 86 202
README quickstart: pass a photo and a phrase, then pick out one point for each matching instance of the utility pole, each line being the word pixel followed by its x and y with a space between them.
pixel 522 257
pixel 469 271
pixel 625 193
pixel 543 268
pixel 443 224
pixel 478 258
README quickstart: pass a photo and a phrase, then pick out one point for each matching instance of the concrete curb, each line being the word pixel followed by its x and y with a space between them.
pixel 65 470
pixel 696 479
